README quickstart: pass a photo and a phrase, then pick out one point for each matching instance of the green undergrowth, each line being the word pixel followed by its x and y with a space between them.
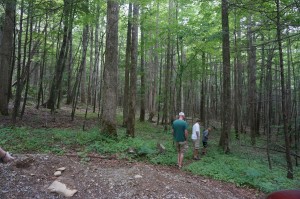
pixel 243 166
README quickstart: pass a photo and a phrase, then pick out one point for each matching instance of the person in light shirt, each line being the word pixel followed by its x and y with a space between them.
pixel 196 139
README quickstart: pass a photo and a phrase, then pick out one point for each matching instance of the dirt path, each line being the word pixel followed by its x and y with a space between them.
pixel 31 175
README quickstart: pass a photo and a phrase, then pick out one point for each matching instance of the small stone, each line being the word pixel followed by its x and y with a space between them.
pixel 61 169
pixel 137 176
pixel 57 173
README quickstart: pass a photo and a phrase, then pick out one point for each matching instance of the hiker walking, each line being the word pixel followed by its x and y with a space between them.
pixel 180 134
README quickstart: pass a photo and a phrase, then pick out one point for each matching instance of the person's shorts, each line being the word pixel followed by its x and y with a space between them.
pixel 196 143
pixel 181 147
pixel 204 144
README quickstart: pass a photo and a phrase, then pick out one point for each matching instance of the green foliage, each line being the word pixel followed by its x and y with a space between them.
pixel 242 167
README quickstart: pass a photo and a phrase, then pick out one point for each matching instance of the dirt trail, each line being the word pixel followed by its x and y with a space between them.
pixel 31 175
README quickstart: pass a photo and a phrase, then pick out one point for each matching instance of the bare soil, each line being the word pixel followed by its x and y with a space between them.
pixel 30 175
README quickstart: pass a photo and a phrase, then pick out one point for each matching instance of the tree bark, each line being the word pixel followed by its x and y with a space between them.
pixel 226 95
pixel 70 56
pixel 30 55
pixel 40 98
pixel 127 67
pixel 6 51
pixel 133 76
pixel 143 83
pixel 60 64
pixel 85 38
pixel 19 66
pixel 269 103
pixel 110 73
pixel 251 81
pixel 283 95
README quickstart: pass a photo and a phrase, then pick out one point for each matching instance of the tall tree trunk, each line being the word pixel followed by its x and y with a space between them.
pixel 70 57
pixel 6 52
pixel 153 70
pixel 283 96
pixel 143 86
pixel 40 98
pixel 60 64
pixel 159 93
pixel 237 78
pixel 90 85
pixel 110 73
pixel 30 54
pixel 85 38
pixel 296 105
pixel 167 70
pixel 262 73
pixel 127 67
pixel 97 59
pixel 133 75
pixel 288 89
pixel 226 95
pixel 19 66
pixel 251 81
pixel 269 103
pixel 202 101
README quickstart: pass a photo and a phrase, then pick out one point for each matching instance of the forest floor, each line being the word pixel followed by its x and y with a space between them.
pixel 30 175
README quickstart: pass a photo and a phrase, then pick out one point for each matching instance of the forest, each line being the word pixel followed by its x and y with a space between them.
pixel 133 65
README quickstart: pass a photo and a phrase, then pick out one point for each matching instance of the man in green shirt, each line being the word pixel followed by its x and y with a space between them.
pixel 180 133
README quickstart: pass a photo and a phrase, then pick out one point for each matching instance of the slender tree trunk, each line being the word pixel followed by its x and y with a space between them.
pixel 226 105
pixel 90 86
pixel 262 73
pixel 202 101
pixel 42 66
pixel 110 73
pixel 6 52
pixel 283 96
pixel 167 70
pixel 133 75
pixel 18 90
pixel 295 102
pixel 85 38
pixel 159 93
pixel 269 104
pixel 288 90
pixel 97 59
pixel 60 64
pixel 153 69
pixel 143 86
pixel 70 57
pixel 251 81
pixel 30 54
pixel 237 78
pixel 127 67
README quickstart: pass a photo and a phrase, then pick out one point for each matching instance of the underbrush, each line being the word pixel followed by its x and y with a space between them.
pixel 243 166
